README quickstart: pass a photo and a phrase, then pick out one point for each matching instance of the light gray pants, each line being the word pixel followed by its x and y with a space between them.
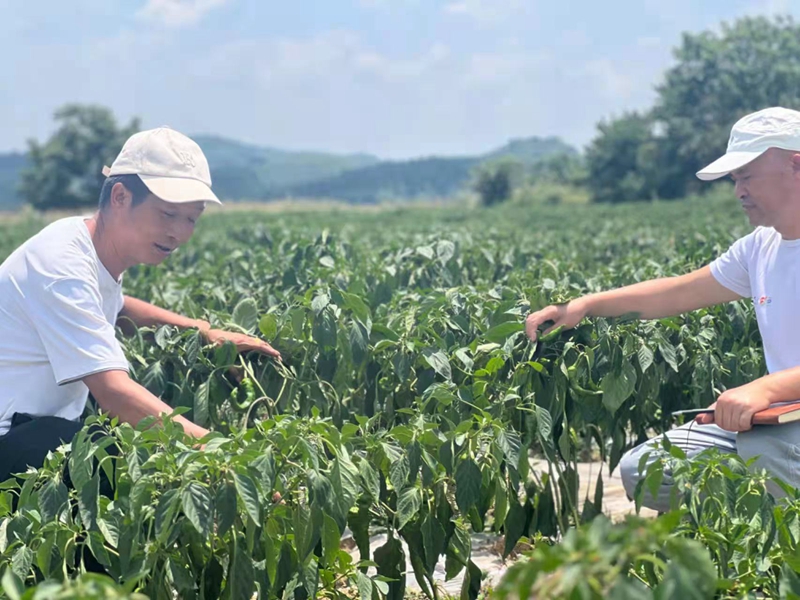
pixel 777 446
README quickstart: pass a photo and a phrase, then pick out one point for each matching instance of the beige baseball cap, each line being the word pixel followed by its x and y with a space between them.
pixel 754 134
pixel 171 165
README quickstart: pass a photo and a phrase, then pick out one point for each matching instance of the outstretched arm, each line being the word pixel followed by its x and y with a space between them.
pixel 144 314
pixel 653 299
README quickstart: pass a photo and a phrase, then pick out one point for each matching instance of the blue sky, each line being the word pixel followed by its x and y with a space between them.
pixel 397 78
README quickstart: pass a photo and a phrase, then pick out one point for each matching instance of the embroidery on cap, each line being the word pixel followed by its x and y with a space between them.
pixel 187 159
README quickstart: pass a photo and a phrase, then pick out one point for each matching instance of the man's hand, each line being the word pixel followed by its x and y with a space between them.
pixel 734 409
pixel 244 343
pixel 568 315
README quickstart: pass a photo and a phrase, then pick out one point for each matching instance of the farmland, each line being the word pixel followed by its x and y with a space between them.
pixel 409 402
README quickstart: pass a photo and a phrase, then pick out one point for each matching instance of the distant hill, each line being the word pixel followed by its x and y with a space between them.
pixel 11 165
pixel 433 177
pixel 246 172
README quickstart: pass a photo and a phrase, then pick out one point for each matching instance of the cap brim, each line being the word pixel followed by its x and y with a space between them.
pixel 179 189
pixel 727 163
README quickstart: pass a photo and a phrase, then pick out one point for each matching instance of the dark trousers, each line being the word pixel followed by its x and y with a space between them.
pixel 30 439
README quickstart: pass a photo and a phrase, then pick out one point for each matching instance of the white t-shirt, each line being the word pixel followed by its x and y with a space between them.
pixel 765 267
pixel 58 307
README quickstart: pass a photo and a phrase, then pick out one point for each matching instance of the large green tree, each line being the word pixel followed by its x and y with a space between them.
pixel 718 77
pixel 613 159
pixel 66 171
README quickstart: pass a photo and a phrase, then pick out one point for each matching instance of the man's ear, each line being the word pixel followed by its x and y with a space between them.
pixel 796 163
pixel 120 196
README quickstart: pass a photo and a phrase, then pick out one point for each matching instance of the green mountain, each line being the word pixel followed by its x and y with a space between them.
pixel 243 171
pixel 247 172
pixel 431 177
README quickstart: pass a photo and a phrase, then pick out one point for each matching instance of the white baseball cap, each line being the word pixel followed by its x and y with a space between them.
pixel 171 165
pixel 754 134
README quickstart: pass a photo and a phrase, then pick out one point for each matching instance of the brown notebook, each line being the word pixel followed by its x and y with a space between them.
pixel 778 414
pixel 784 412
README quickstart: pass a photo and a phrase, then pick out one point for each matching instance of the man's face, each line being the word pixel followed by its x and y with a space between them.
pixel 766 187
pixel 152 230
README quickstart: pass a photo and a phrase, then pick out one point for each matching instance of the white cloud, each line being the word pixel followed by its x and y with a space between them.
pixel 491 68
pixel 178 13
pixel 484 11
pixel 610 80
pixel 768 7
pixel 317 59
pixel 648 41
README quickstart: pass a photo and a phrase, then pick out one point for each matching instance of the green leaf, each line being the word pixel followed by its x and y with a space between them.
pixel 240 582
pixel 331 537
pixel 193 346
pixel 669 354
pixel 197 506
pixel 245 314
pixel 155 379
pixel 202 401
pixel 53 497
pixel 22 561
pixel 645 356
pixel 166 511
pixel 88 502
pixel 358 306
pixel 468 485
pixel 319 302
pixel 509 442
pixel 439 363
pixel 514 525
pixel 789 583
pixel 359 345
pixel 499 333
pixel 471 586
pixel 433 541
pixel 408 505
pixel 225 355
pixel 364 585
pixel 181 577
pixel 370 478
pixel 12 585
pixel 327 262
pixel 458 552
pixel 398 473
pixel 500 504
pixel 690 573
pixel 324 329
pixel 618 387
pixel 268 325
pixel 248 494
pixel 225 506
pixel 80 464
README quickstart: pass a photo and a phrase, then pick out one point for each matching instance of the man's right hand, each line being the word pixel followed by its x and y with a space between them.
pixel 567 315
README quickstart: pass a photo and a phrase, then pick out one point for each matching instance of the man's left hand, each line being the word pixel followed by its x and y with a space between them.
pixel 243 342
pixel 734 409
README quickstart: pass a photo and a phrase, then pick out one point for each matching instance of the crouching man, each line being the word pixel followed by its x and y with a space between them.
pixel 61 296
pixel 763 159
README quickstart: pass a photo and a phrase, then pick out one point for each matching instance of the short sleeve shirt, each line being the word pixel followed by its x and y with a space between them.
pixel 766 268
pixel 58 308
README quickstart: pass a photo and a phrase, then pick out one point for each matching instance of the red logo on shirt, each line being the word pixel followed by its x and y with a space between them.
pixel 764 300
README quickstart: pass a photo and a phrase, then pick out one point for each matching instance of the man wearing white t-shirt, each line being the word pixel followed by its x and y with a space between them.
pixel 763 159
pixel 61 297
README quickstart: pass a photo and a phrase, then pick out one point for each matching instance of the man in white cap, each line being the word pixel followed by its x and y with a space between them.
pixel 61 297
pixel 763 159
